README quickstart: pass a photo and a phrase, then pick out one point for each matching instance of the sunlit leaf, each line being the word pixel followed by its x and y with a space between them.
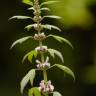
pixel 52 16
pixel 20 41
pixel 55 93
pixel 48 26
pixel 34 92
pixel 29 2
pixel 45 9
pixel 30 55
pixel 20 17
pixel 53 52
pixel 61 39
pixel 65 69
pixel 28 77
pixel 48 2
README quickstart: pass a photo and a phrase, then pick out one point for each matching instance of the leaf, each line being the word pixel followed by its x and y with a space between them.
pixel 55 93
pixel 47 2
pixel 53 52
pixel 28 77
pixel 29 2
pixel 28 27
pixel 48 26
pixel 61 39
pixel 30 56
pixel 31 8
pixel 20 17
pixel 52 16
pixel 20 41
pixel 45 9
pixel 66 70
pixel 34 92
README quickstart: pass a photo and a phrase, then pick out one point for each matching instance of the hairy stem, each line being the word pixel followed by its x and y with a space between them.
pixel 40 42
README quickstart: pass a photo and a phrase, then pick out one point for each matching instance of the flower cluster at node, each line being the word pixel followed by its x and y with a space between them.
pixel 39 36
pixel 46 87
pixel 41 49
pixel 44 65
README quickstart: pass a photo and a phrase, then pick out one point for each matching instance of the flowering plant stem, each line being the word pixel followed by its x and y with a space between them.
pixel 45 87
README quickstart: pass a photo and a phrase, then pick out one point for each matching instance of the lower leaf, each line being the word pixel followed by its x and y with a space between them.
pixel 34 92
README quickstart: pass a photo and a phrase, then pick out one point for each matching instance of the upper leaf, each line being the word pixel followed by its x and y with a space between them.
pixel 20 17
pixel 29 2
pixel 30 56
pixel 20 41
pixel 48 26
pixel 65 69
pixel 52 16
pixel 45 9
pixel 53 52
pixel 28 27
pixel 47 2
pixel 34 92
pixel 28 77
pixel 61 39
pixel 31 8
pixel 55 93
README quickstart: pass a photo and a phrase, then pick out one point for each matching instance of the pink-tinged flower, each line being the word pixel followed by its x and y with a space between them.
pixel 41 49
pixel 44 65
pixel 46 87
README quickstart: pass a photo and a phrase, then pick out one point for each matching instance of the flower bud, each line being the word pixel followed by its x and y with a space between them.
pixel 39 36
pixel 41 49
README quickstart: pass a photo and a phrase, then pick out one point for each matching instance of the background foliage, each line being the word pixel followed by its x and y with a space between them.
pixel 79 27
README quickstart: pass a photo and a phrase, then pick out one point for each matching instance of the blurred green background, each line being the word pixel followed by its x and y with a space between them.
pixel 78 25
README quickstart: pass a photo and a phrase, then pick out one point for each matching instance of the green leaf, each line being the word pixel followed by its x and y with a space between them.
pixel 30 55
pixel 29 2
pixel 20 41
pixel 65 69
pixel 20 17
pixel 34 92
pixel 61 39
pixel 48 26
pixel 53 52
pixel 52 16
pixel 28 27
pixel 31 8
pixel 47 2
pixel 28 77
pixel 45 9
pixel 55 93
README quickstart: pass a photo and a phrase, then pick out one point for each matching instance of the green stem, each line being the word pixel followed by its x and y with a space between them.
pixel 45 75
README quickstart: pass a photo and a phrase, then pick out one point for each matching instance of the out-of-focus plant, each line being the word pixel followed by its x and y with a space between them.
pixel 45 87
pixel 74 12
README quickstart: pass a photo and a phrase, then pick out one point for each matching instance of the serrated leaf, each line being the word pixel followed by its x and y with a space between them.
pixel 52 16
pixel 20 17
pixel 55 93
pixel 47 2
pixel 28 77
pixel 34 92
pixel 30 55
pixel 53 52
pixel 66 70
pixel 28 27
pixel 31 8
pixel 61 39
pixel 20 41
pixel 29 2
pixel 45 9
pixel 48 26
